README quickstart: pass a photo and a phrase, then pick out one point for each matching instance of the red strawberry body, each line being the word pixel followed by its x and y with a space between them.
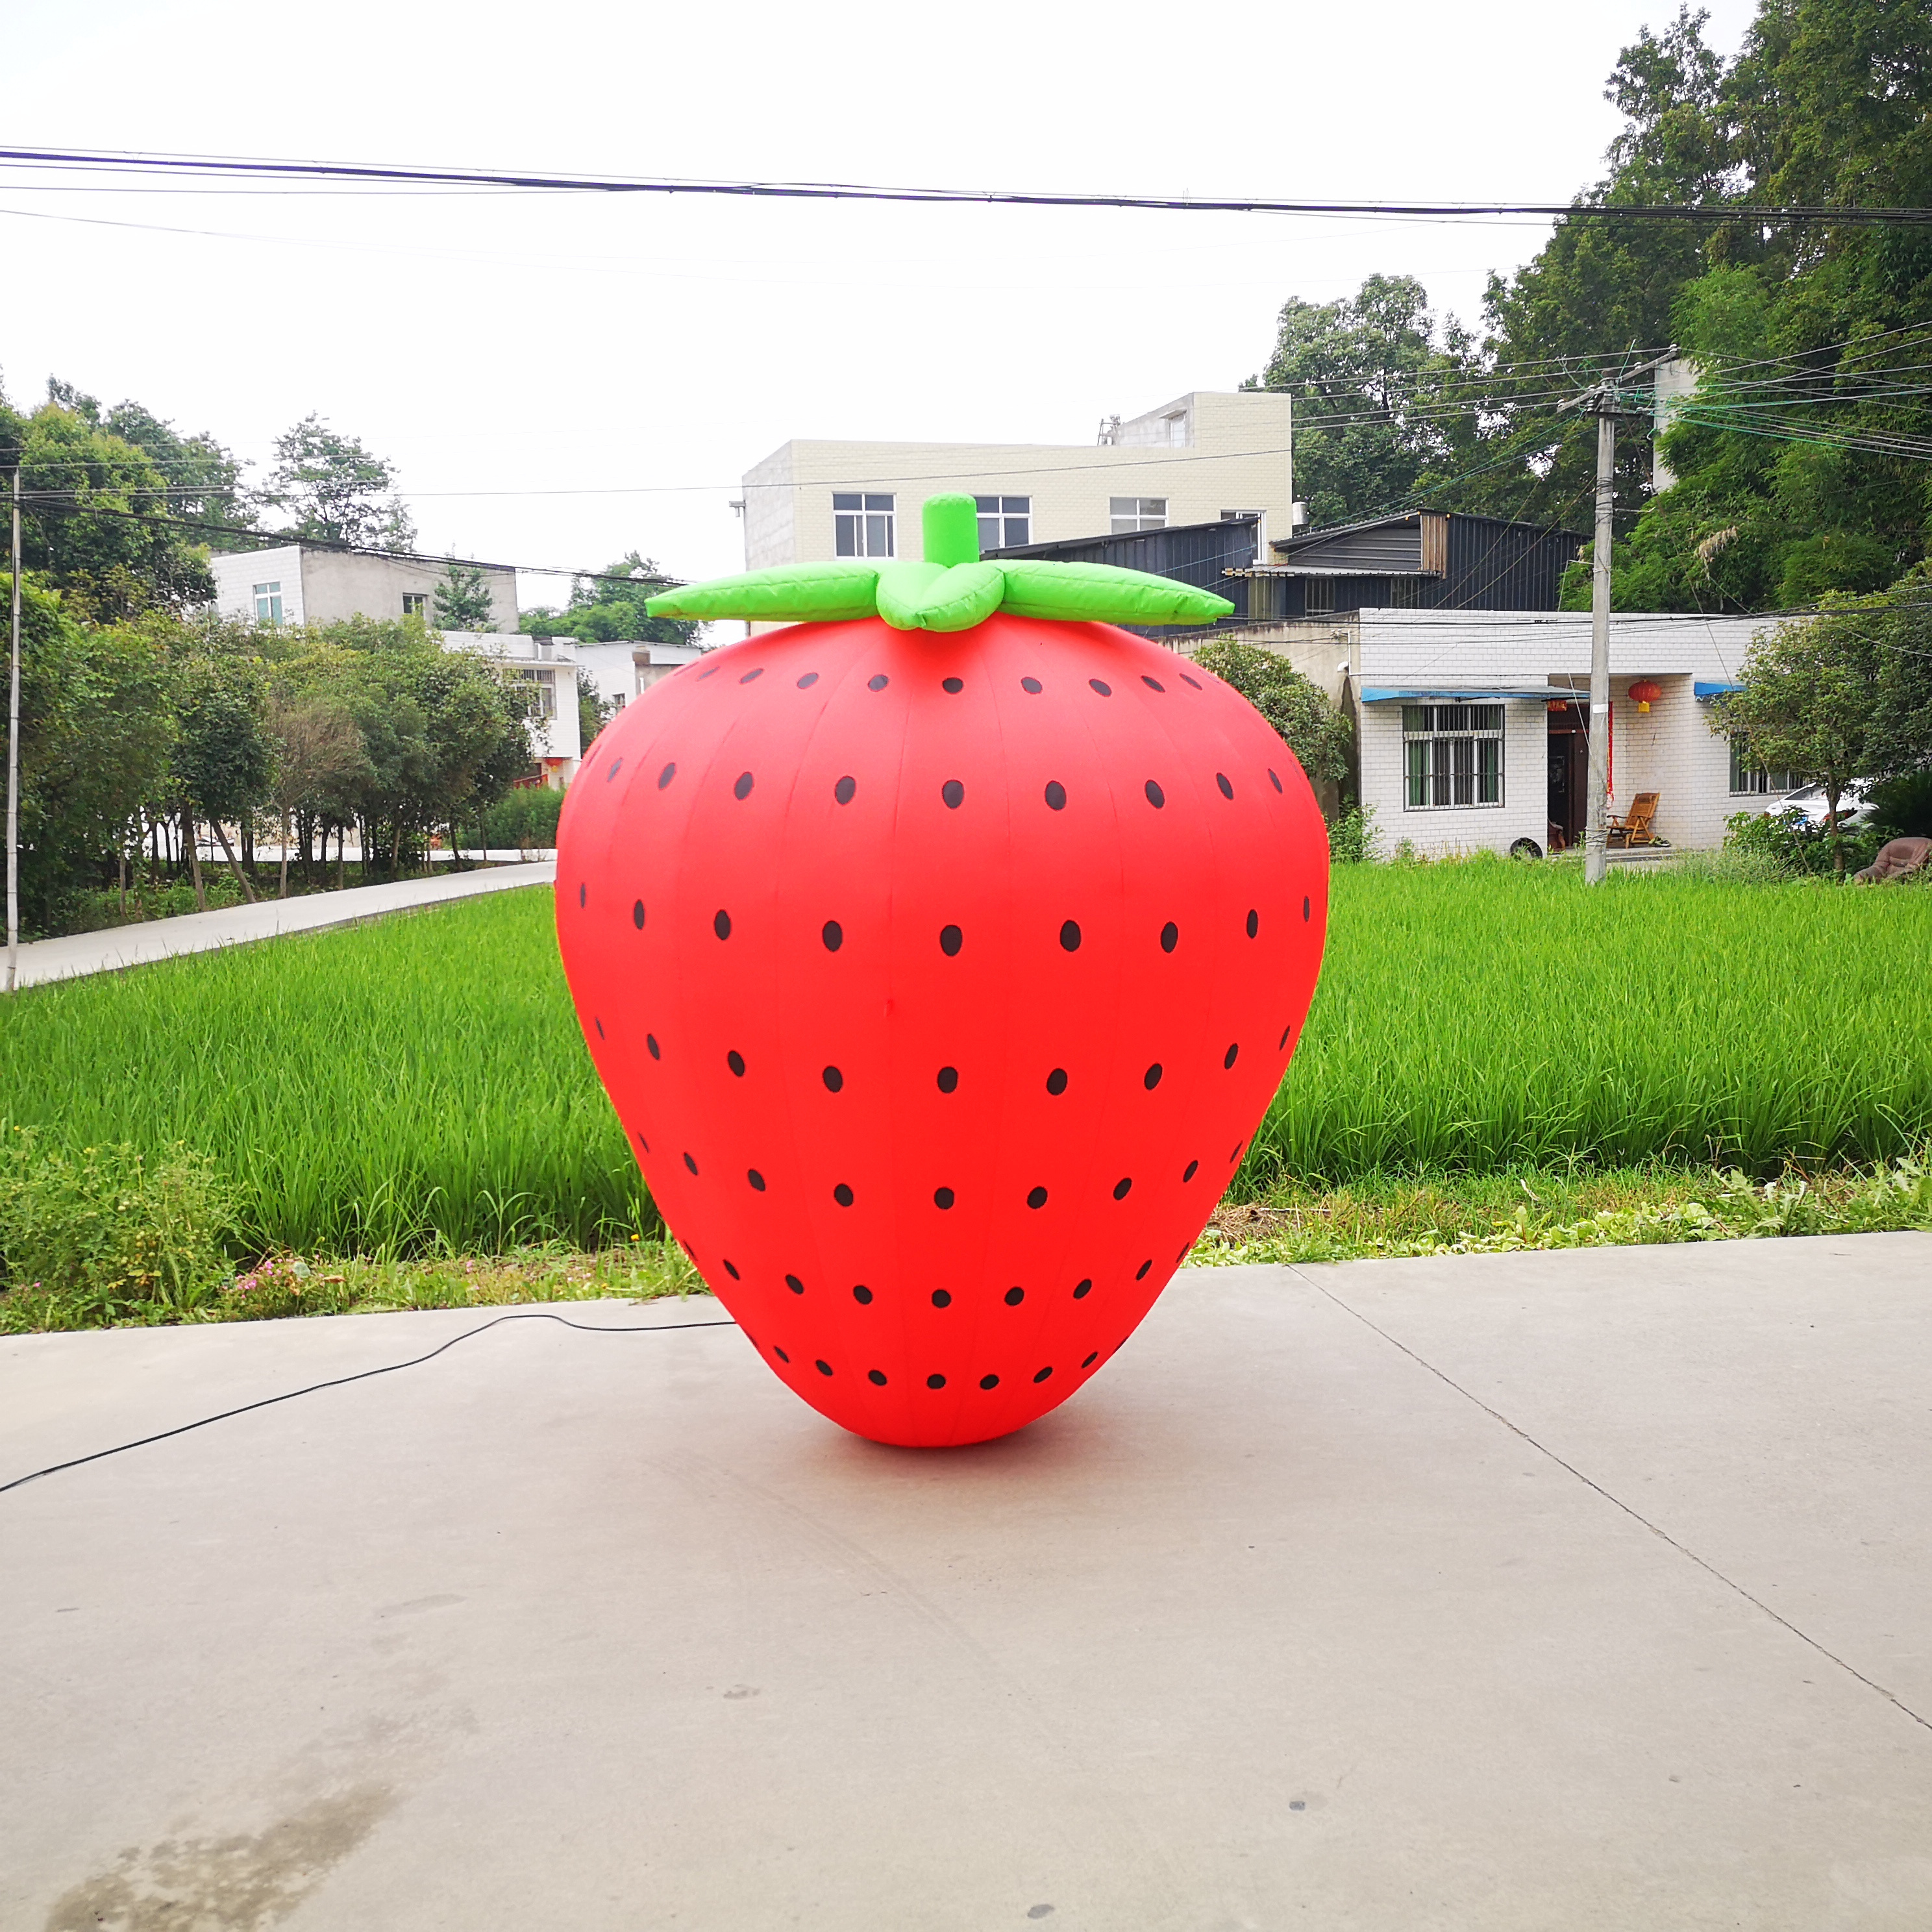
pixel 939 982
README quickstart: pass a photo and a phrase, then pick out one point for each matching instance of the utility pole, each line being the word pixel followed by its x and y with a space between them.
pixel 1605 401
pixel 14 759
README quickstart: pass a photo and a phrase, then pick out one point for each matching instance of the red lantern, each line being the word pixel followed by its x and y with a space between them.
pixel 1645 693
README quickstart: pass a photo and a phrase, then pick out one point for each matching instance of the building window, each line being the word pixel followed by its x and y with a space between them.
pixel 1452 754
pixel 863 525
pixel 1318 596
pixel 546 684
pixel 1748 777
pixel 268 603
pixel 1176 430
pixel 416 604
pixel 1138 513
pixel 1005 522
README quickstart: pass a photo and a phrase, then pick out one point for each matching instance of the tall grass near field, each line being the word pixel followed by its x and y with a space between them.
pixel 1478 1015
pixel 414 1083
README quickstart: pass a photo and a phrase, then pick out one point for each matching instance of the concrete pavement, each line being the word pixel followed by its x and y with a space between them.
pixel 1580 1591
pixel 106 952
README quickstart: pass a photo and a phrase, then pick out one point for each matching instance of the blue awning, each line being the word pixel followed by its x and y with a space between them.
pixel 1376 693
pixel 1706 687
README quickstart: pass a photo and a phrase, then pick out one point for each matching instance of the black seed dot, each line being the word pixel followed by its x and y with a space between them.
pixel 598 1024
pixel 613 771
pixel 1194 681
pixel 1152 683
pixel 1236 1155
pixel 756 671
pixel 1233 1054
pixel 842 1195
pixel 735 1061
pixel 651 1045
pixel 1274 778
pixel 942 1197
pixel 863 1295
pixel 843 790
pixel 1285 1032
pixel 690 1163
pixel 1304 911
pixel 878 683
pixel 807 681
pixel 940 1299
pixel 581 892
pixel 780 1353
pixel 949 1079
pixel 1170 937
pixel 644 1144
pixel 935 1381
pixel 743 789
pixel 638 915
pixel 1155 796
pixel 950 940
pixel 1105 690
pixel 1082 1289
pixel 665 776
pixel 1056 1081
pixel 1120 1187
pixel 824 1368
pixel 1014 1296
pixel 954 794
pixel 793 1282
pixel 989 1382
pixel 1036 1197
pixel 952 684
pixel 1150 1079
pixel 1041 1375
pixel 1140 1273
pixel 1193 1168
pixel 1095 1355
pixel 757 1179
pixel 1254 921
pixel 1069 936
pixel 708 671
pixel 833 934
pixel 1226 789
pixel 721 924
pixel 731 1271
pixel 1056 795
pixel 834 1080
pixel 876 1377
pixel 1031 684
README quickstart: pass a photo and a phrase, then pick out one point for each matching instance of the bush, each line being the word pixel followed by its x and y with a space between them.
pixel 1797 849
pixel 108 1234
pixel 1351 838
pixel 526 818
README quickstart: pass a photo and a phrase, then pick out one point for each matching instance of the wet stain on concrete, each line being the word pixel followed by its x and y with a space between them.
pixel 242 1883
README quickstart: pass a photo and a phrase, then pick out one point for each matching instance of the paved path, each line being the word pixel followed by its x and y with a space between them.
pixel 119 946
pixel 1511 1593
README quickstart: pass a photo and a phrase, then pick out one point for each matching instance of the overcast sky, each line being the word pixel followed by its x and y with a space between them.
pixel 507 350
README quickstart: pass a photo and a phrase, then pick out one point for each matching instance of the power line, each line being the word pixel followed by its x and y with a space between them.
pixel 365 174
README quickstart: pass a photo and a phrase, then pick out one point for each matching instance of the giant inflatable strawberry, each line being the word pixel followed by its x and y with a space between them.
pixel 940 953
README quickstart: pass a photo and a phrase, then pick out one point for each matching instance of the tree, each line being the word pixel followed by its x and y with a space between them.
pixel 609 608
pixel 463 599
pixel 594 710
pixel 1808 704
pixel 1373 359
pixel 1311 727
pixel 318 758
pixel 335 490
pixel 224 760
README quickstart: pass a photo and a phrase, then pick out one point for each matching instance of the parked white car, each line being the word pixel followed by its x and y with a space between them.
pixel 1855 805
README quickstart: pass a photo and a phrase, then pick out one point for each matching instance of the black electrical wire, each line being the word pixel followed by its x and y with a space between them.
pixel 362 1375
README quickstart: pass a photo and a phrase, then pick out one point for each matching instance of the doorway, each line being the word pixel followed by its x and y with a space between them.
pixel 1569 773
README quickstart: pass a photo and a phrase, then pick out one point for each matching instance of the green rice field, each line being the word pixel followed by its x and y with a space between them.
pixel 419 1085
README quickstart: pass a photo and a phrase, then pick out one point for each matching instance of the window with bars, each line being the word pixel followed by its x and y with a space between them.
pixel 546 684
pixel 862 524
pixel 1452 755
pixel 1004 522
pixel 1748 776
pixel 268 603
pixel 1130 514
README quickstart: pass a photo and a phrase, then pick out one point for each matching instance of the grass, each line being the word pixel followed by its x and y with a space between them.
pixel 1487 1038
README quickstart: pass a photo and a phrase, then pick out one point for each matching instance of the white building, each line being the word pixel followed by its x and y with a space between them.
pixel 1202 456
pixel 298 583
pixel 625 670
pixel 551 664
pixel 1471 724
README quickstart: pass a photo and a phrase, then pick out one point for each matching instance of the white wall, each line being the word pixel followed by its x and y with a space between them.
pixel 320 586
pixel 1238 456
pixel 236 574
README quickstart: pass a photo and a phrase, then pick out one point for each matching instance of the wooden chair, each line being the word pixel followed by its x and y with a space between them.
pixel 1634 827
